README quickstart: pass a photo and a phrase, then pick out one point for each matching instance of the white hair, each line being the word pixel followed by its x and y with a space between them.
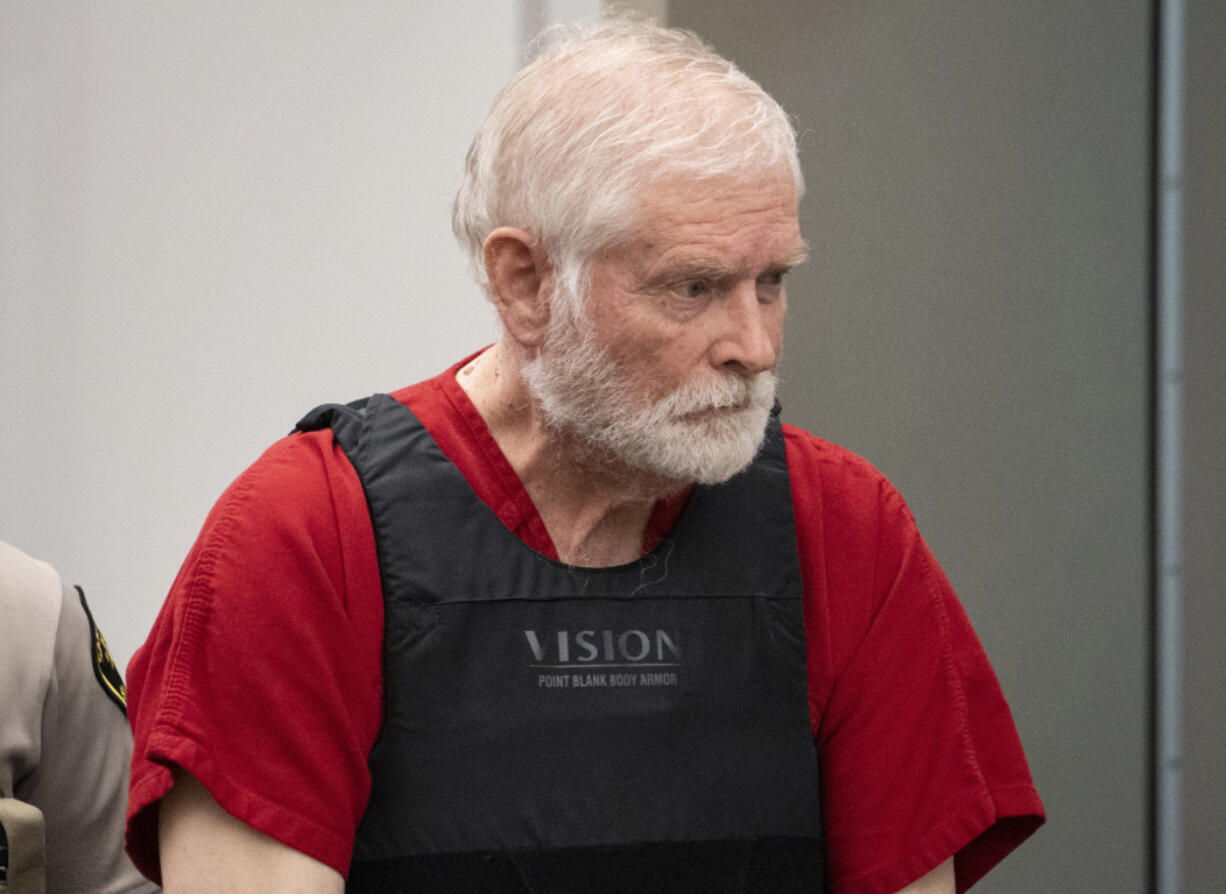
pixel 575 138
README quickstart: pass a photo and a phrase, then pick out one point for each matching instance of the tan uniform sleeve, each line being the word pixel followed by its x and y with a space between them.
pixel 74 740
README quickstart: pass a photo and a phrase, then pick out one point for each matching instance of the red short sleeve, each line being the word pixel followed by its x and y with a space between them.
pixel 262 676
pixel 919 756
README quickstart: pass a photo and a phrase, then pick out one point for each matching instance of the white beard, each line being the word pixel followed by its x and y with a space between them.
pixel 584 393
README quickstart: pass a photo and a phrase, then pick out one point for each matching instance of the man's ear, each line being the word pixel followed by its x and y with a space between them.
pixel 521 283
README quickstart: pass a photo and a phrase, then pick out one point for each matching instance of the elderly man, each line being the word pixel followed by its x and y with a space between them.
pixel 580 613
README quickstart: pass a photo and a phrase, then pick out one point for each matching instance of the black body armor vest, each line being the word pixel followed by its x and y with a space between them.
pixel 549 728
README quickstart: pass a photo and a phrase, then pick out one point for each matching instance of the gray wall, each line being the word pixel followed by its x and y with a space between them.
pixel 975 321
pixel 1205 457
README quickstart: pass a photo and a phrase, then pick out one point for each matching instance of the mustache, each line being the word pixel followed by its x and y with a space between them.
pixel 725 392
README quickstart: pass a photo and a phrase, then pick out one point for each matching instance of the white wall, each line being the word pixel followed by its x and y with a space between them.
pixel 212 217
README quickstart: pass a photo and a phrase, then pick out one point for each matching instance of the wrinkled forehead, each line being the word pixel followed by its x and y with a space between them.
pixel 752 215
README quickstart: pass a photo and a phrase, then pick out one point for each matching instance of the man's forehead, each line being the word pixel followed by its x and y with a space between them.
pixel 720 224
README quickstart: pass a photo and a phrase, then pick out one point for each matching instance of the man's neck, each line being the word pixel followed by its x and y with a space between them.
pixel 595 510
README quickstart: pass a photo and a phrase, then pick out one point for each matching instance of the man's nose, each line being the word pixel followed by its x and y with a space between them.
pixel 751 332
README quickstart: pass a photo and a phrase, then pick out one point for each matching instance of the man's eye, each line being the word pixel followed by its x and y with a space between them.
pixel 770 285
pixel 694 289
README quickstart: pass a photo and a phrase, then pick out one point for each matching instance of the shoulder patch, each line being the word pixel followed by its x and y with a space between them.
pixel 105 671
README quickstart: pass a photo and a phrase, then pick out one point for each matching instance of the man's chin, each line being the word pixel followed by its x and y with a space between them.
pixel 706 453
pixel 657 450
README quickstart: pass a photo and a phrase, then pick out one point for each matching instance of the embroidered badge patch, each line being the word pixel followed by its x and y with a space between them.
pixel 107 674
